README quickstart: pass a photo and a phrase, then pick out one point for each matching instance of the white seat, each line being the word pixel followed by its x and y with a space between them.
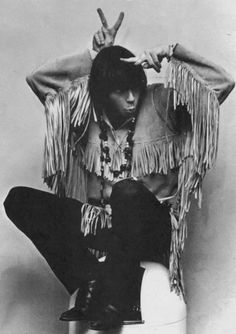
pixel 163 311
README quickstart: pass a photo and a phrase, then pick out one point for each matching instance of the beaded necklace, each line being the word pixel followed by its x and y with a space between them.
pixel 105 153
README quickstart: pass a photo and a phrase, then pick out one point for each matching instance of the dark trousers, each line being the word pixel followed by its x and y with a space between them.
pixel 140 231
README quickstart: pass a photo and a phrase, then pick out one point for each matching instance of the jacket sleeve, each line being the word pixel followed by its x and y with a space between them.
pixel 195 89
pixel 51 77
pixel 62 87
pixel 198 87
pixel 211 75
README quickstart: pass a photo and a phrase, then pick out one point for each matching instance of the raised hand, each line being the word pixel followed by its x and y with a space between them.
pixel 106 36
pixel 150 58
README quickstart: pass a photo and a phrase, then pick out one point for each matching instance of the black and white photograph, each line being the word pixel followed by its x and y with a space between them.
pixel 118 167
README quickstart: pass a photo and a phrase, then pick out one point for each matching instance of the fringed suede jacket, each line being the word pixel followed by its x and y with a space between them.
pixel 175 138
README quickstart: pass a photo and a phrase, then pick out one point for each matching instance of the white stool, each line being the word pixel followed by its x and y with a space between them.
pixel 163 311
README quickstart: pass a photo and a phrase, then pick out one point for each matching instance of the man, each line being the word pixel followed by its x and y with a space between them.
pixel 130 156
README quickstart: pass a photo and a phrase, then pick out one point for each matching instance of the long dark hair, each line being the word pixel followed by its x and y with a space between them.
pixel 109 73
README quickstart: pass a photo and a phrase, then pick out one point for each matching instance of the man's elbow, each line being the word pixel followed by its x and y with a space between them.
pixel 28 79
pixel 231 84
pixel 31 80
pixel 228 87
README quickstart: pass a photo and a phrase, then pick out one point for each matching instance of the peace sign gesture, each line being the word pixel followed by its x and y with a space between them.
pixel 106 36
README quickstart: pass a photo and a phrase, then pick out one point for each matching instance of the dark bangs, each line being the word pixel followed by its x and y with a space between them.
pixel 125 76
pixel 109 73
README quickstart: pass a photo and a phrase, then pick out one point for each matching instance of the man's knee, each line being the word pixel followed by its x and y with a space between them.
pixel 13 200
pixel 126 188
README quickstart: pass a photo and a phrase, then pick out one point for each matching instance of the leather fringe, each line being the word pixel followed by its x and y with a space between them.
pixel 158 156
pixel 71 107
pixel 76 178
pixel 199 152
pixel 92 162
pixel 97 253
pixel 92 216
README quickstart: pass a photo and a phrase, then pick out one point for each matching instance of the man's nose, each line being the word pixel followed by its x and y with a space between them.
pixel 130 96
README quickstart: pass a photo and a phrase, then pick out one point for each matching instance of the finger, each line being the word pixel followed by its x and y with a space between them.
pixel 98 39
pixel 154 57
pixel 130 60
pixel 141 58
pixel 101 36
pixel 151 61
pixel 155 61
pixel 118 22
pixel 156 67
pixel 145 65
pixel 105 31
pixel 102 18
pixel 140 61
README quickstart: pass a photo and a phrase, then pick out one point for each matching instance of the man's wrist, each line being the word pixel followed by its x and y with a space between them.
pixel 170 52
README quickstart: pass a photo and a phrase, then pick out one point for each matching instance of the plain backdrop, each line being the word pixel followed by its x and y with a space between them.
pixel 34 31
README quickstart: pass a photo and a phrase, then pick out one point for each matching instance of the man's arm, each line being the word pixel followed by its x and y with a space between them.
pixel 62 86
pixel 211 75
pixel 52 77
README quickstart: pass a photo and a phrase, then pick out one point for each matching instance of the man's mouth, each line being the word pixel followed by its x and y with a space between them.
pixel 131 109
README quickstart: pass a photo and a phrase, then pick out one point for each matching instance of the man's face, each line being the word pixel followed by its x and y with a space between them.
pixel 122 105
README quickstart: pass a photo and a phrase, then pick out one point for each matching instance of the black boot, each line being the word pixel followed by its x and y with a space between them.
pixel 108 318
pixel 85 303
